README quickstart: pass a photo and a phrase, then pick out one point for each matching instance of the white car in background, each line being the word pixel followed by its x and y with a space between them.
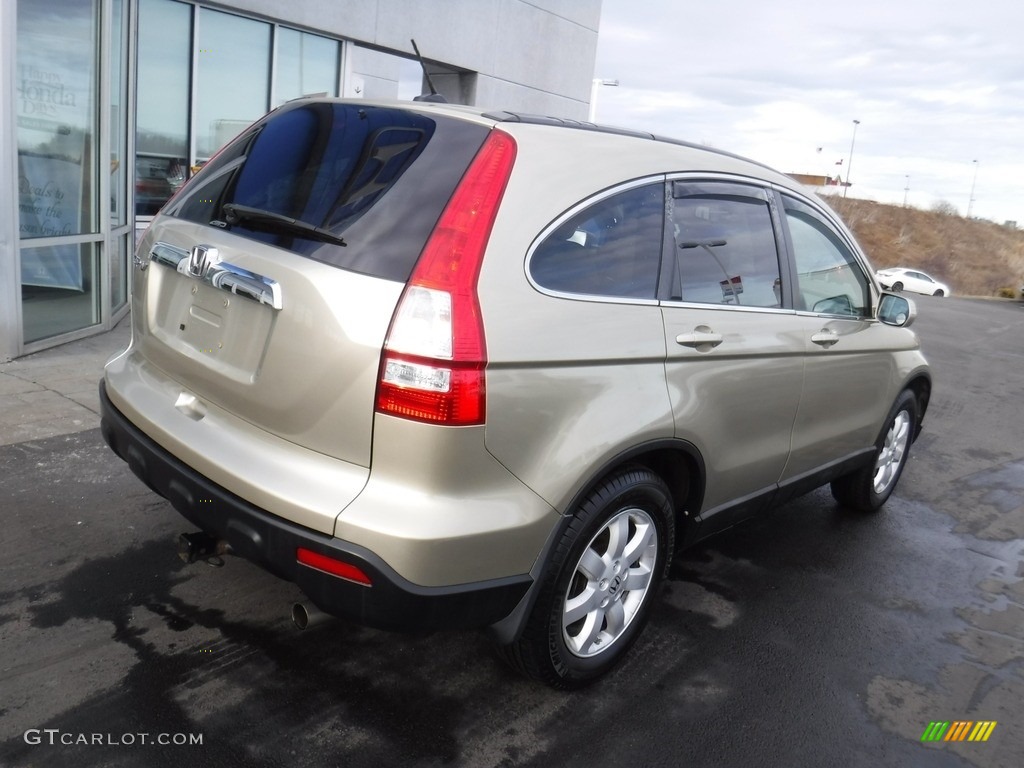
pixel 900 279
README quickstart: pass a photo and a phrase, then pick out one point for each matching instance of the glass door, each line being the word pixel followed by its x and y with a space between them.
pixel 57 135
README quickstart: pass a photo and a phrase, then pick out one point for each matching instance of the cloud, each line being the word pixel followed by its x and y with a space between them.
pixel 934 85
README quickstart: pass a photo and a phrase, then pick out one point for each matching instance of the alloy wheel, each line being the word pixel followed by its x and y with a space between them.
pixel 610 582
pixel 890 457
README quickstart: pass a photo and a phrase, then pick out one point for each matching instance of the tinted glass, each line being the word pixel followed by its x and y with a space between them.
pixel 725 249
pixel 612 248
pixel 379 177
pixel 829 278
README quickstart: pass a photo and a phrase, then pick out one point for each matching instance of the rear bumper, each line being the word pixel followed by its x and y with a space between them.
pixel 392 602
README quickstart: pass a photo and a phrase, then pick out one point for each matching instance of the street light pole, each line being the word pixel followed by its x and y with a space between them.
pixel 849 162
pixel 594 86
pixel 906 191
pixel 970 202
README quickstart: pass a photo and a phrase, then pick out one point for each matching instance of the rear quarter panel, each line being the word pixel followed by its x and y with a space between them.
pixel 570 383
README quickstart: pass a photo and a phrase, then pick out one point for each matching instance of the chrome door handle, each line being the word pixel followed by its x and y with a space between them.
pixel 825 338
pixel 703 339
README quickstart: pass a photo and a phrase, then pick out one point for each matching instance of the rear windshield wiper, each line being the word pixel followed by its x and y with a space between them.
pixel 268 220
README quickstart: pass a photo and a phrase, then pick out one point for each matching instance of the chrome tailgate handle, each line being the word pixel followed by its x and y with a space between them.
pixel 242 282
pixel 202 263
pixel 168 255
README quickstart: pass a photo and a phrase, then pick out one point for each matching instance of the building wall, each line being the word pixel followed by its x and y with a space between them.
pixel 533 56
pixel 375 74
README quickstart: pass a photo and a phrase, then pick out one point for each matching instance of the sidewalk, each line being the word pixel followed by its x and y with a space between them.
pixel 56 392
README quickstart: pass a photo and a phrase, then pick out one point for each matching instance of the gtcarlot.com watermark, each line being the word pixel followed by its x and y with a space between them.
pixel 55 736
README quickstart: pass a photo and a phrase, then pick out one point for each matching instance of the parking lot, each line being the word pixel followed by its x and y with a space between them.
pixel 813 636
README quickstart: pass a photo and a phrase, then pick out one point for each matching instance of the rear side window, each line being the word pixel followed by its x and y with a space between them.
pixel 376 177
pixel 611 248
pixel 724 246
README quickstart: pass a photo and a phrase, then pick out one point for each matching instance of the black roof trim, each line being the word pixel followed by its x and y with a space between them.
pixel 518 117
pixel 503 116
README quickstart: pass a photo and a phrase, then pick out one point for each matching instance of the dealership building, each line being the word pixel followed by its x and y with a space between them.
pixel 108 106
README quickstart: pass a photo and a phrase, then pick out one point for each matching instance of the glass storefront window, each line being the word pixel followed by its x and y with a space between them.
pixel 306 64
pixel 118 114
pixel 59 289
pixel 58 165
pixel 56 115
pixel 119 272
pixel 233 78
pixel 162 102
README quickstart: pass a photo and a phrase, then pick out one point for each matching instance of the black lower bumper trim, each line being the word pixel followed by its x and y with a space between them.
pixel 391 602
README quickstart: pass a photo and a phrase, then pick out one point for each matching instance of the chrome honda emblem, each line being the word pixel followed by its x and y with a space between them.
pixel 613 587
pixel 201 259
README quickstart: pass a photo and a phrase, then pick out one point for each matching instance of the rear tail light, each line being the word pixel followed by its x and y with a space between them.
pixel 434 357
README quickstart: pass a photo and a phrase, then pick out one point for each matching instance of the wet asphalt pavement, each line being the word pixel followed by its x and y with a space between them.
pixel 811 637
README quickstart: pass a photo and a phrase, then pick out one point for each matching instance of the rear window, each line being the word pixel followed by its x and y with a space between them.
pixel 378 177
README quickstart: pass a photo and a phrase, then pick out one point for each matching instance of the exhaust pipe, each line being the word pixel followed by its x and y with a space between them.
pixel 202 546
pixel 306 616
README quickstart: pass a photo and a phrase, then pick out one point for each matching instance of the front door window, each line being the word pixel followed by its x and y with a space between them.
pixel 830 281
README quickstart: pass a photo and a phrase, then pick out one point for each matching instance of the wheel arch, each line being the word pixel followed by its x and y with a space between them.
pixel 921 386
pixel 677 462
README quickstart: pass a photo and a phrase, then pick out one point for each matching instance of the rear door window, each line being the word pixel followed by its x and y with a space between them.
pixel 611 248
pixel 375 177
pixel 724 246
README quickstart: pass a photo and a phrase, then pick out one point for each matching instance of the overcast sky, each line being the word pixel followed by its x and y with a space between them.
pixel 935 84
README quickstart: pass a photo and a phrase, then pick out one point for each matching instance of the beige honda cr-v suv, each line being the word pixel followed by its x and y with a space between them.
pixel 444 368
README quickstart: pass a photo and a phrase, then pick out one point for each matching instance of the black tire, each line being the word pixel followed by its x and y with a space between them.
pixel 940 293
pixel 614 599
pixel 897 287
pixel 867 489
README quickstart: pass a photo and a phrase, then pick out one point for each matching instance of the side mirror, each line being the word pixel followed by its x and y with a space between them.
pixel 896 310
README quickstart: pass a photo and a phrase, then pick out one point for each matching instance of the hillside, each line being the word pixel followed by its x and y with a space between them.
pixel 976 258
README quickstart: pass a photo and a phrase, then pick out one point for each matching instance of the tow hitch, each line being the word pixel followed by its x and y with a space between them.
pixel 202 546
